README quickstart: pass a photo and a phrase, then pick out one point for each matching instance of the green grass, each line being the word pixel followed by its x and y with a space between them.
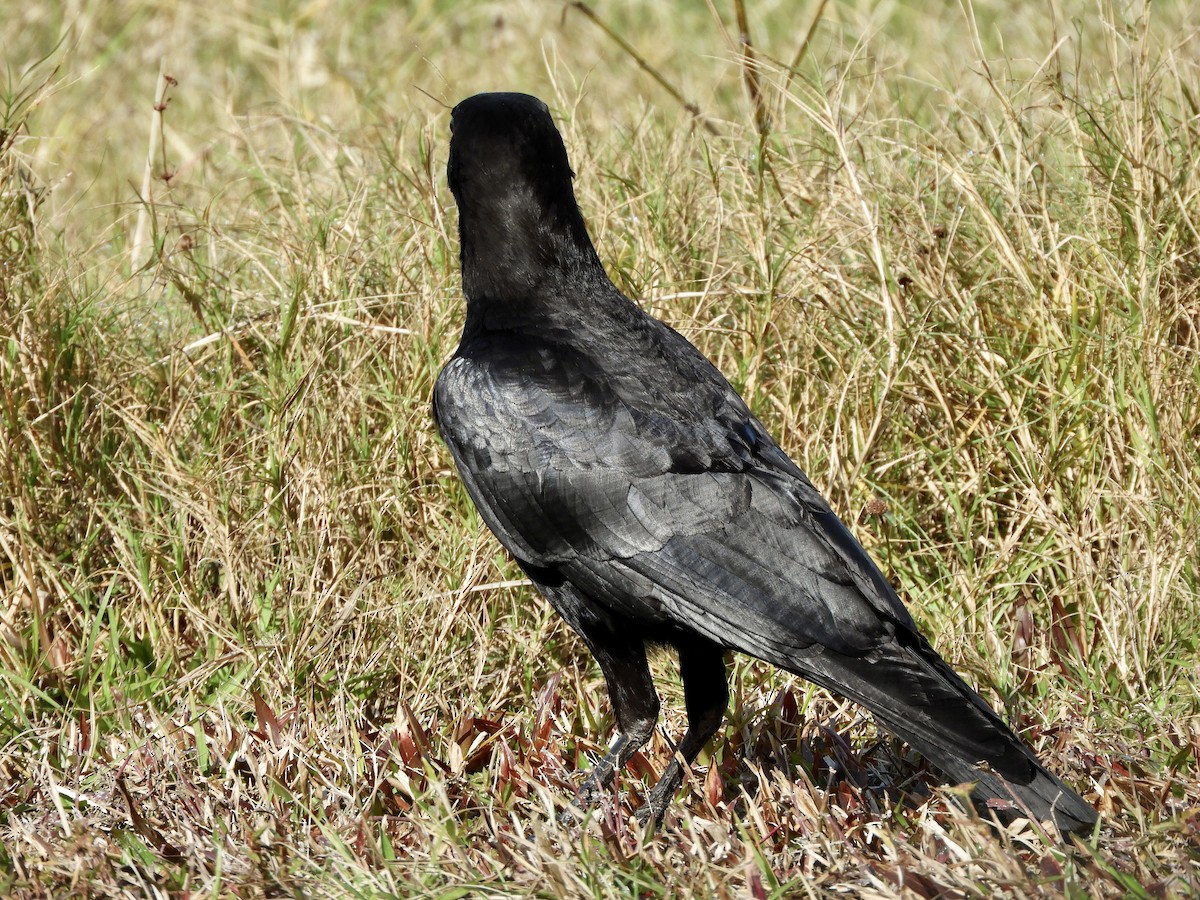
pixel 255 640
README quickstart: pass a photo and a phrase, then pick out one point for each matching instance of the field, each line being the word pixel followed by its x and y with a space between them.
pixel 255 640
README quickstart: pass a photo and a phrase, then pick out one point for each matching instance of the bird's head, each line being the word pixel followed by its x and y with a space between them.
pixel 510 176
pixel 504 141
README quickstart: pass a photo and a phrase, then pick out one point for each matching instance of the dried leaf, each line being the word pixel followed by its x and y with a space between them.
pixel 268 723
pixel 412 738
pixel 714 786
pixel 1066 637
pixel 548 703
pixel 143 827
pixel 640 766
pixel 1022 634
pixel 1049 866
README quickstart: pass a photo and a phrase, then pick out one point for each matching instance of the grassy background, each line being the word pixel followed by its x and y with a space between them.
pixel 254 639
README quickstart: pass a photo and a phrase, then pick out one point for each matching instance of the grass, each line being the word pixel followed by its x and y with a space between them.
pixel 253 638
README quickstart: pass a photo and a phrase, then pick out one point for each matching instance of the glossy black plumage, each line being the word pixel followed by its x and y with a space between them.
pixel 648 504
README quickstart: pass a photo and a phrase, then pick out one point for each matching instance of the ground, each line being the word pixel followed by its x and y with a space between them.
pixel 255 640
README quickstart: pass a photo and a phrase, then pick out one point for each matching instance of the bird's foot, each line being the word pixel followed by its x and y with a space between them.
pixel 650 814
pixel 589 794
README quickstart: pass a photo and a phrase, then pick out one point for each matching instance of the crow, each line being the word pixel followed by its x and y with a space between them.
pixel 647 503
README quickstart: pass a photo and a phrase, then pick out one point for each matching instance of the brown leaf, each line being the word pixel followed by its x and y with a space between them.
pixel 924 886
pixel 1049 866
pixel 641 767
pixel 412 738
pixel 454 758
pixel 548 703
pixel 613 829
pixel 505 766
pixel 488 726
pixel 1066 636
pixel 268 723
pixel 789 708
pixel 85 734
pixel 465 730
pixel 152 836
pixel 848 798
pixel 409 752
pixel 476 742
pixel 61 652
pixel 714 786
pixel 1022 633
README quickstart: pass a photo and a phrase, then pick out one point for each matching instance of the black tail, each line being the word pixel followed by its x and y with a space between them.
pixel 921 700
pixel 1043 797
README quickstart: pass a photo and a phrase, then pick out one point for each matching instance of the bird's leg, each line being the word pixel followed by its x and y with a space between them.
pixel 635 704
pixel 706 693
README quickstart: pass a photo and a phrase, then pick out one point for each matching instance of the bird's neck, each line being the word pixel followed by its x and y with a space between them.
pixel 526 250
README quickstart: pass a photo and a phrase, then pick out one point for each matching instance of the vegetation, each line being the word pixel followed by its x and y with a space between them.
pixel 253 637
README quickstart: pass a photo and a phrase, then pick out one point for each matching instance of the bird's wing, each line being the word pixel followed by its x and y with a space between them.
pixel 704 523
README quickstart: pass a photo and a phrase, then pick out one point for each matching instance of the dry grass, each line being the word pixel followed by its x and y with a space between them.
pixel 254 639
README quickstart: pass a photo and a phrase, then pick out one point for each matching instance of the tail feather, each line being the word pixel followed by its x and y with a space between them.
pixel 1044 797
pixel 921 700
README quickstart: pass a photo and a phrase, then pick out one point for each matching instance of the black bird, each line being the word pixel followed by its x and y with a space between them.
pixel 648 504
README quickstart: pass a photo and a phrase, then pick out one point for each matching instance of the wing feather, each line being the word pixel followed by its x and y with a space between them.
pixel 745 551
